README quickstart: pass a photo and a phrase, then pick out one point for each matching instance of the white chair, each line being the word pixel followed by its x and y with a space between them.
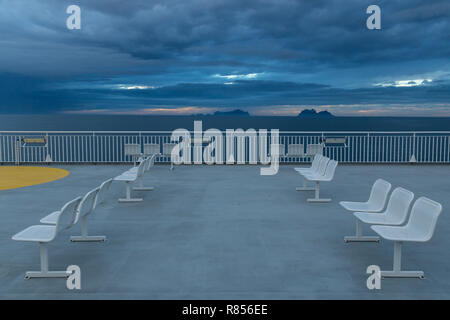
pixel 317 178
pixel 313 149
pixel 140 181
pixel 148 163
pixel 316 163
pixel 153 159
pixel 104 189
pixel 167 152
pixel 420 228
pixel 46 233
pixel 128 178
pixel 133 150
pixel 321 168
pixel 395 214
pixel 377 199
pixel 296 150
pixel 86 204
pixel 134 169
pixel 151 149
pixel 86 207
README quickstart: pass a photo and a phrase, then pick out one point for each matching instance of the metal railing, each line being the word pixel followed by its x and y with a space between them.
pixel 108 147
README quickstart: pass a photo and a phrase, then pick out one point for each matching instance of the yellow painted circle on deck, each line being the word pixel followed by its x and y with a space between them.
pixel 18 177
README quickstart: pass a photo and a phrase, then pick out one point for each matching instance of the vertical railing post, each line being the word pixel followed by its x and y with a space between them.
pixel 141 143
pixel 94 145
pixel 413 158
pixel 17 151
pixel 367 147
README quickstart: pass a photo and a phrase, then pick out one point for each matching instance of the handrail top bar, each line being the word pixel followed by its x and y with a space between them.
pixel 268 130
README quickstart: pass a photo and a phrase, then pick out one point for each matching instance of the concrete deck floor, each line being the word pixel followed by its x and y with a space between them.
pixel 223 232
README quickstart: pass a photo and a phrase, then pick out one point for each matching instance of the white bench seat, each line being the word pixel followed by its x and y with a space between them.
pixel 128 178
pixel 420 228
pixel 395 214
pixel 373 218
pixel 377 199
pixel 86 206
pixel 44 234
pixel 318 165
pixel 394 233
pixel 359 206
pixel 317 178
pixel 36 233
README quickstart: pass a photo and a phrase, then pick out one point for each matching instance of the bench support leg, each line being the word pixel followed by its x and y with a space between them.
pixel 44 273
pixel 397 272
pixel 141 187
pixel 128 194
pixel 317 195
pixel 304 187
pixel 358 237
pixel 84 234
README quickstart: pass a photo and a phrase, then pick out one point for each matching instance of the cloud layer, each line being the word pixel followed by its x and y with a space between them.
pixel 266 56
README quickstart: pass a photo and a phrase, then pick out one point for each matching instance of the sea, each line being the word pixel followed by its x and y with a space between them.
pixel 65 122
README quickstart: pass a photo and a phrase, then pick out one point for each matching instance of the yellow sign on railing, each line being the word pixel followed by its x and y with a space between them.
pixel 34 140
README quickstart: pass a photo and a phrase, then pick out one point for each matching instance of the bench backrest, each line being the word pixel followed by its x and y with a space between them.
pixel 323 165
pixel 379 194
pixel 312 149
pixel 140 170
pixel 316 162
pixel 281 149
pixel 424 216
pixel 331 168
pixel 149 163
pixel 132 149
pixel 152 160
pixel 67 215
pixel 296 150
pixel 167 148
pixel 398 206
pixel 103 190
pixel 87 204
pixel 151 148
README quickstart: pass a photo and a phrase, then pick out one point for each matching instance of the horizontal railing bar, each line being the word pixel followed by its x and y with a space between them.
pixel 282 132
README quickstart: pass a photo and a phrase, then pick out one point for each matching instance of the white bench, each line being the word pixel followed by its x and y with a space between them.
pixel 86 207
pixel 133 150
pixel 149 161
pixel 129 177
pixel 317 177
pixel 99 199
pixel 44 234
pixel 151 149
pixel 420 228
pixel 318 165
pixel 104 189
pixel 395 214
pixel 313 149
pixel 296 151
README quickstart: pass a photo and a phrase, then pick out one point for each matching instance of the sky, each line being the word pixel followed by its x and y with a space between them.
pixel 267 57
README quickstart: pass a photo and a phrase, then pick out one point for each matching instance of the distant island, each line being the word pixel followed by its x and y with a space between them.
pixel 236 112
pixel 311 113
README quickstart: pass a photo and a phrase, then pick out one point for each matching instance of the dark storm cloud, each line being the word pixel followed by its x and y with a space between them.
pixel 36 98
pixel 180 46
